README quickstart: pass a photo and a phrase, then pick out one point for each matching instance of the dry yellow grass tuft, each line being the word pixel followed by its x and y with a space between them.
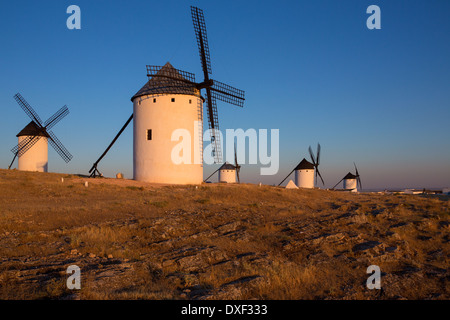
pixel 135 240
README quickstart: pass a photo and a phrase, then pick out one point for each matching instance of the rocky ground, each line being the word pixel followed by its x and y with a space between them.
pixel 139 241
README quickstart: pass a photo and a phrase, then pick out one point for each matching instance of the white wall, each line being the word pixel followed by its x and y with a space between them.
pixel 36 158
pixel 227 175
pixel 152 161
pixel 350 184
pixel 304 178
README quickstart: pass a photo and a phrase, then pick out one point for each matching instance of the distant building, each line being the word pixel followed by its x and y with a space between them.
pixel 227 173
pixel 304 174
pixel 350 182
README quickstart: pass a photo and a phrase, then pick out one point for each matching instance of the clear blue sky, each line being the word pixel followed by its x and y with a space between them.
pixel 312 69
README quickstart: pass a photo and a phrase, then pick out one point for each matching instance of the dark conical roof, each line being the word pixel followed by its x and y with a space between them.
pixel 32 129
pixel 304 164
pixel 162 85
pixel 350 176
pixel 227 166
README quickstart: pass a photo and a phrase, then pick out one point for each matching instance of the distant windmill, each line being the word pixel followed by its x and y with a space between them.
pixel 228 172
pixel 351 181
pixel 304 171
pixel 32 148
pixel 171 100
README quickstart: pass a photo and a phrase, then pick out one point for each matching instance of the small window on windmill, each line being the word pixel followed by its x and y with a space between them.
pixel 173 99
pixel 149 134
pixel 190 101
pixel 154 99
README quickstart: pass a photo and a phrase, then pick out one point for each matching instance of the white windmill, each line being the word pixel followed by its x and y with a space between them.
pixel 305 171
pixel 171 101
pixel 162 106
pixel 304 174
pixel 351 181
pixel 228 172
pixel 32 147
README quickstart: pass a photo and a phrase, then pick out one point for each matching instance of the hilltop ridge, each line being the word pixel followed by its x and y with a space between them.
pixel 134 240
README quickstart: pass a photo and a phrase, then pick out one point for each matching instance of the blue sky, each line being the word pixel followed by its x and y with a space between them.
pixel 312 69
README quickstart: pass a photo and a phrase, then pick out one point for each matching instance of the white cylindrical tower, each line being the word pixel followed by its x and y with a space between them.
pixel 350 182
pixel 36 157
pixel 304 174
pixel 167 131
pixel 227 173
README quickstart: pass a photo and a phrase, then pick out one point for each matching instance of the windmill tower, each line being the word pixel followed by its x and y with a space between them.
pixel 162 106
pixel 227 173
pixel 32 147
pixel 304 174
pixel 171 100
pixel 351 181
pixel 36 159
pixel 305 171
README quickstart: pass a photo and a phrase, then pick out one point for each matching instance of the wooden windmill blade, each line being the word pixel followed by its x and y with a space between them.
pixel 315 160
pixel 227 93
pixel 28 109
pixel 318 154
pixel 214 89
pixel 320 176
pixel 170 73
pixel 237 166
pixel 358 179
pixel 198 21
pixel 56 117
pixel 318 162
pixel 170 80
pixel 24 145
pixel 59 147
pixel 213 122
pixel 53 140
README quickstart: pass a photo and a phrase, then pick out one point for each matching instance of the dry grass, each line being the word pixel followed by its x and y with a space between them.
pixel 140 241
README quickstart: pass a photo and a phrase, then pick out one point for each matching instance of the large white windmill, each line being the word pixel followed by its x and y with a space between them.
pixel 170 101
pixel 160 108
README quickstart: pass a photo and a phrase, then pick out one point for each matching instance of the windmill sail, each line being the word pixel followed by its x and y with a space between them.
pixel 214 89
pixel 36 129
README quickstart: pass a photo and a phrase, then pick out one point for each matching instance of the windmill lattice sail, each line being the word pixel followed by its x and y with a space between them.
pixel 214 89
